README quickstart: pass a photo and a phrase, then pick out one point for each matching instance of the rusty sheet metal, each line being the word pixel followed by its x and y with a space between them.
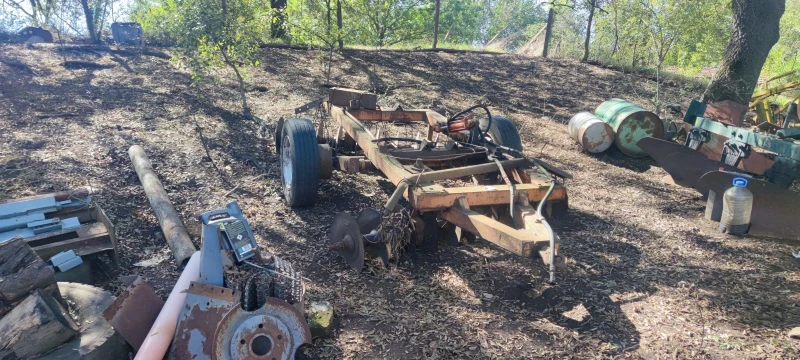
pixel 204 308
pixel 755 163
pixel 213 325
pixel 774 208
pixel 134 312
pixel 729 112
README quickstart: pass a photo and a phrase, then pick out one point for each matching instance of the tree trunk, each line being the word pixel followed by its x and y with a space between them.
pixel 616 33
pixel 548 32
pixel 21 271
pixel 339 23
pixel 276 29
pixel 588 32
pixel 36 326
pixel 633 58
pixel 87 12
pixel 330 26
pixel 436 24
pixel 447 34
pixel 756 28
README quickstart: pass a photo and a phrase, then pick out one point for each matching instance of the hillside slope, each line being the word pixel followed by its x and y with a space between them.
pixel 647 276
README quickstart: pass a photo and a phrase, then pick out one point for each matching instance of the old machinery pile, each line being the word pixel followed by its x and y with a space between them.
pixel 482 153
pixel 716 152
pixel 246 304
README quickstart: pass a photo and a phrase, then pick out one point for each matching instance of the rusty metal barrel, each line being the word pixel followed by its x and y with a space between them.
pixel 594 135
pixel 631 123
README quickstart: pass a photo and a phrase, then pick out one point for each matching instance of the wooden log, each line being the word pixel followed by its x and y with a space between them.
pixel 177 237
pixel 21 271
pixel 34 327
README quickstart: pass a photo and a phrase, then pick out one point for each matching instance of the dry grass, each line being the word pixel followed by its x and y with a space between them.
pixel 647 276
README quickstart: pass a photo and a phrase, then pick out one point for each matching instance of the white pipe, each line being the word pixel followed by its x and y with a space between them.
pixel 159 337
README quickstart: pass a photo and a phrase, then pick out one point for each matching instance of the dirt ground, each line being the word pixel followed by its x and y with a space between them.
pixel 647 276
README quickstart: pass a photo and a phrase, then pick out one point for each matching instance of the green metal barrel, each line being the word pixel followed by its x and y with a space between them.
pixel 631 123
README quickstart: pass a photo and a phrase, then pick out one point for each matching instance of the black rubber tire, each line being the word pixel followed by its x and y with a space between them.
pixel 503 132
pixel 97 340
pixel 299 148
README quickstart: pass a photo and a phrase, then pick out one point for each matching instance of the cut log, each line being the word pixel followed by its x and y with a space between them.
pixel 22 271
pixel 35 326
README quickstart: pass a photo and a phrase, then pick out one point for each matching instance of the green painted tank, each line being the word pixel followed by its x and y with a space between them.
pixel 631 123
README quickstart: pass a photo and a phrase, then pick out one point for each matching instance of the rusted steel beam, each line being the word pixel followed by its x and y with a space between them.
pixel 177 238
pixel 525 217
pixel 378 115
pixel 390 167
pixel 520 242
pixel 425 199
pixel 457 172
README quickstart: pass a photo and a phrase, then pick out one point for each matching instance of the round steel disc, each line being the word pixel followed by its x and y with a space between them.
pixel 343 225
pixel 368 219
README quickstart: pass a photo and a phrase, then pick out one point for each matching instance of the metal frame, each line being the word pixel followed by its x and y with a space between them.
pixel 525 233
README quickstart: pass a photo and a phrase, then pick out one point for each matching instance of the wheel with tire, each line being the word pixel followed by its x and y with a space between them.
pixel 299 162
pixel 503 132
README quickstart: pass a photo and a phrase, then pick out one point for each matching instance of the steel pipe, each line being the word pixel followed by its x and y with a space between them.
pixel 177 238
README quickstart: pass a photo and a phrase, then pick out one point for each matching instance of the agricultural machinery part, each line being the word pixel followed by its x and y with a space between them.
pixel 222 321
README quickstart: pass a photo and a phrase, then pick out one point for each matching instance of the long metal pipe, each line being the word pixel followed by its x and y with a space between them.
pixel 549 230
pixel 159 337
pixel 177 238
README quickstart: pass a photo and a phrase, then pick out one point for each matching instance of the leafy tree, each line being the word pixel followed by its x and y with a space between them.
pixel 222 32
pixel 388 22
pixel 511 18
pixel 785 55
pixel 756 28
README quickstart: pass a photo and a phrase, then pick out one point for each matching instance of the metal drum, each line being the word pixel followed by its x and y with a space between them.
pixel 631 123
pixel 594 135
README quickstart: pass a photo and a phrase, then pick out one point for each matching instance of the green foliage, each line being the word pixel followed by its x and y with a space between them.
pixel 160 20
pixel 511 17
pixel 460 21
pixel 785 55
pixel 690 34
pixel 388 22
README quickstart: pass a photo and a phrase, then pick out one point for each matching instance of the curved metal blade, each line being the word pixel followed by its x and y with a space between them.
pixel 774 208
pixel 345 225
pixel 368 219
pixel 683 164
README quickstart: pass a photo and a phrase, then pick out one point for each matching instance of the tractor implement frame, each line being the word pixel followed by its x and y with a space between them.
pixel 521 231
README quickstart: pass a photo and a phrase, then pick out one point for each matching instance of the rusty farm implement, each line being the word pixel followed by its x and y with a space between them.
pixel 466 177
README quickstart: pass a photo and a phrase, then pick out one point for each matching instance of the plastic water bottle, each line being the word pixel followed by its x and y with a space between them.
pixel 737 204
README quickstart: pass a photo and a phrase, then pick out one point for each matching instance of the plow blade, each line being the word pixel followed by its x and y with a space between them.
pixel 774 207
pixel 684 165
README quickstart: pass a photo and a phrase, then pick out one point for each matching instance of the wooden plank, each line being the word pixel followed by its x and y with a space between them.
pixel 427 199
pixel 87 235
pixel 378 115
pixel 519 242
